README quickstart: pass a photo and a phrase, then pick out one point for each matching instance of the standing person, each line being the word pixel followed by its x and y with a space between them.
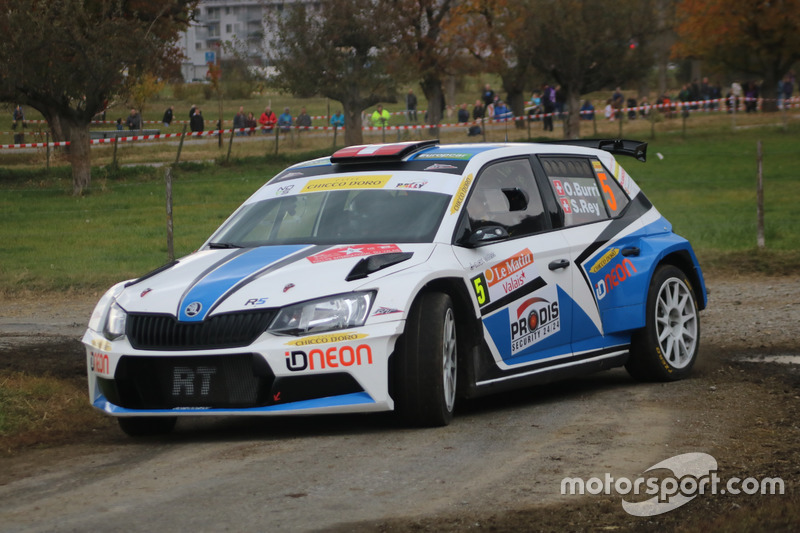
pixel 196 123
pixel 501 112
pixel 478 113
pixel 134 120
pixel 303 120
pixel 18 116
pixel 267 120
pixel 548 106
pixel 380 117
pixel 191 111
pixel 239 120
pixel 488 95
pixel 285 120
pixel 463 113
pixel 411 106
pixel 167 118
pixel 337 120
pixel 250 123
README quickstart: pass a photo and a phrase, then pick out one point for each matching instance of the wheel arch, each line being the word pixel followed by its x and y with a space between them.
pixel 685 261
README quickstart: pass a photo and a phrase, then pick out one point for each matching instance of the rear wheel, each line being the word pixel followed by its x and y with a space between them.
pixel 425 364
pixel 143 426
pixel 666 349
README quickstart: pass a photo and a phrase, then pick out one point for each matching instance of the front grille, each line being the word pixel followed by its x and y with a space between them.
pixel 219 381
pixel 165 332
pixel 237 381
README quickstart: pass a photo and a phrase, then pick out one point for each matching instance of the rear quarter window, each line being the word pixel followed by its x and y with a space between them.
pixel 585 191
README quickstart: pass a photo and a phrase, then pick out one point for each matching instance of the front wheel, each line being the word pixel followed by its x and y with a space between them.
pixel 666 348
pixel 425 363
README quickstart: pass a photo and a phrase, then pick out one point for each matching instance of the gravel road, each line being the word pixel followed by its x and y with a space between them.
pixel 498 467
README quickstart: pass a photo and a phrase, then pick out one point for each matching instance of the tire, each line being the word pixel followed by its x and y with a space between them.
pixel 145 426
pixel 666 348
pixel 425 364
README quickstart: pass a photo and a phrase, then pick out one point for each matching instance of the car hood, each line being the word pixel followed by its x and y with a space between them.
pixel 212 282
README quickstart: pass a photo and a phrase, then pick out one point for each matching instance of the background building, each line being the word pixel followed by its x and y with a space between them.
pixel 221 24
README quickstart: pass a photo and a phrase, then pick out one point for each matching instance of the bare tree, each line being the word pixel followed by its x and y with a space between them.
pixel 68 58
pixel 337 50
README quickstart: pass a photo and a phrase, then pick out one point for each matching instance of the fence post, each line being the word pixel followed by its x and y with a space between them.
pixel 180 145
pixel 47 149
pixel 230 144
pixel 114 162
pixel 760 197
pixel 335 130
pixel 168 179
pixel 277 137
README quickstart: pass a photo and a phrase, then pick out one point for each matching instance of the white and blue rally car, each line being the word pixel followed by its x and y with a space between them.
pixel 405 277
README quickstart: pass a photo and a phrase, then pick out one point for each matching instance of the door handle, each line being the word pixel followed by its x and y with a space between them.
pixel 631 251
pixel 558 263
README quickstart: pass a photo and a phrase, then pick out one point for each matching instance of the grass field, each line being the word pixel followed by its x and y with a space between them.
pixel 704 183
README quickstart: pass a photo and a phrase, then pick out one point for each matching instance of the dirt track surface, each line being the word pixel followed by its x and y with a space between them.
pixel 498 467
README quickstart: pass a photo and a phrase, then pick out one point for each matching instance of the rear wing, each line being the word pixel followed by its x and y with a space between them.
pixel 628 147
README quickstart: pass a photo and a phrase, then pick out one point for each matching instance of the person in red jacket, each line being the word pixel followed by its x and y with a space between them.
pixel 267 120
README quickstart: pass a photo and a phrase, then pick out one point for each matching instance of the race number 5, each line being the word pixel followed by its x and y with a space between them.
pixel 479 284
pixel 612 202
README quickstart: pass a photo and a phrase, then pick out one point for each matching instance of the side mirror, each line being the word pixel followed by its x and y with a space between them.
pixel 484 235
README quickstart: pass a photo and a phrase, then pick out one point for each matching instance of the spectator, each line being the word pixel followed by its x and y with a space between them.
pixel 196 123
pixel 736 93
pixel 285 120
pixel 337 120
pixel 411 106
pixel 167 118
pixel 239 120
pixel 617 101
pixel 536 106
pixel 250 123
pixel 501 112
pixel 632 108
pixel 463 114
pixel 751 98
pixel 267 120
pixel 134 120
pixel 609 111
pixel 191 111
pixel 119 124
pixel 587 111
pixel 488 95
pixel 787 87
pixel 18 116
pixel 478 113
pixel 561 101
pixel 303 120
pixel 644 107
pixel 380 117
pixel 548 106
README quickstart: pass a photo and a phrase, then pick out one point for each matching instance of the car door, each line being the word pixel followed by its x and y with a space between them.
pixel 603 244
pixel 518 267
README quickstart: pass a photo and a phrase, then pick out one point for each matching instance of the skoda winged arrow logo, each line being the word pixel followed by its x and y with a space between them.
pixel 193 309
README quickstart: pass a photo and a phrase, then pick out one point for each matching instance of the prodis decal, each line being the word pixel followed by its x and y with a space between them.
pixel 536 319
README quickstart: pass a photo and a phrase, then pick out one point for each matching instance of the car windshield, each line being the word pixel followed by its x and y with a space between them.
pixel 336 217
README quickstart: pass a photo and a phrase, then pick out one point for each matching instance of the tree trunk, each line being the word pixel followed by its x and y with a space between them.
pixel 572 122
pixel 432 88
pixel 80 156
pixel 352 124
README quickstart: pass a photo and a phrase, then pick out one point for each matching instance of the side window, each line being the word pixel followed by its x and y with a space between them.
pixel 583 188
pixel 506 195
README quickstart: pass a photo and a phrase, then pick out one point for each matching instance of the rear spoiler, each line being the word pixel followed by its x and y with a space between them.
pixel 637 149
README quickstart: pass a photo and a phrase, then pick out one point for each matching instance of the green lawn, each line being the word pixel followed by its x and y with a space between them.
pixel 52 241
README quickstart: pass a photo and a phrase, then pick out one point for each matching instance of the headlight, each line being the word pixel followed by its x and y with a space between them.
pixel 341 311
pixel 115 323
pixel 99 316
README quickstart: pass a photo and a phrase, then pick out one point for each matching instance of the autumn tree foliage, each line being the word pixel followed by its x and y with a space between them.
pixel 759 39
pixel 69 58
pixel 337 50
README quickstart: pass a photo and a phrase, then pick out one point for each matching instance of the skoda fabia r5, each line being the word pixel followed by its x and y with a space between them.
pixel 405 277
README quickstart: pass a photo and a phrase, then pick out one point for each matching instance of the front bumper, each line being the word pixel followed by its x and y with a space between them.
pixel 339 372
